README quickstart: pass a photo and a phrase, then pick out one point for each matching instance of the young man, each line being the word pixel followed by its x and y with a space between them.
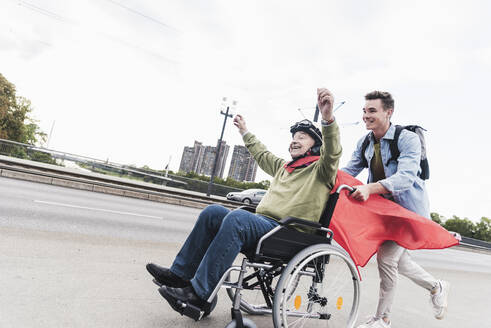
pixel 300 188
pixel 397 180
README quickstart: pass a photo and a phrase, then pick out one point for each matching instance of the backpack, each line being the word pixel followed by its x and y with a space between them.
pixel 394 149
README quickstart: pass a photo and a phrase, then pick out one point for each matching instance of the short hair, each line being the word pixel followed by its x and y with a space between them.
pixel 385 97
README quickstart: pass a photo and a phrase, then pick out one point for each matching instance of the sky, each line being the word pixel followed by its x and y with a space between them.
pixel 136 81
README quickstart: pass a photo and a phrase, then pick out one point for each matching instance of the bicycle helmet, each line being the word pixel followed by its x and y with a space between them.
pixel 309 128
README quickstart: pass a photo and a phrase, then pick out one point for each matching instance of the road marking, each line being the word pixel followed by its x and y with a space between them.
pixel 97 209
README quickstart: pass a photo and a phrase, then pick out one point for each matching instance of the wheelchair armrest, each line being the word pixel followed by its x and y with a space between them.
pixel 291 220
pixel 251 209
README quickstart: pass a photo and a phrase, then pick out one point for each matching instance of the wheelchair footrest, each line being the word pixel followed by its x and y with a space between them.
pixel 190 310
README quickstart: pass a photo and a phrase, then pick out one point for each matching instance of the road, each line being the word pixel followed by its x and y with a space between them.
pixel 71 258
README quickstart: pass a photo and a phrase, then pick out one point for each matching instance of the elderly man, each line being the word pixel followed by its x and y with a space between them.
pixel 299 188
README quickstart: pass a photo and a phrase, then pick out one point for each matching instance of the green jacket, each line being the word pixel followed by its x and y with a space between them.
pixel 304 192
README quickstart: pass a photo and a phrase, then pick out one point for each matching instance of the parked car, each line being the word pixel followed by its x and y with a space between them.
pixel 249 196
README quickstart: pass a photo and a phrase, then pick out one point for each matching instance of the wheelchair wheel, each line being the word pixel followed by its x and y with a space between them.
pixel 318 288
pixel 247 323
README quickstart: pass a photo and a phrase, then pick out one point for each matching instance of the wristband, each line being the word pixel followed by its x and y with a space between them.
pixel 325 123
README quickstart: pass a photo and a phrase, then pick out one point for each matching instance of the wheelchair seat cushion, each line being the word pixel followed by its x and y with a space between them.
pixel 285 243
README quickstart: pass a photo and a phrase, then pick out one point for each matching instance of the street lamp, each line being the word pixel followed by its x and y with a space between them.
pixel 227 115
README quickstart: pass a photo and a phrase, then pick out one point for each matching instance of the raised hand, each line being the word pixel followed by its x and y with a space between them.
pixel 325 100
pixel 240 123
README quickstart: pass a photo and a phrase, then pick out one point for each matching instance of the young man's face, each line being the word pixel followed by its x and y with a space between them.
pixel 375 116
pixel 301 143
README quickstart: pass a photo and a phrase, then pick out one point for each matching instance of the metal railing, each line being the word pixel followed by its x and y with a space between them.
pixel 51 156
pixel 476 243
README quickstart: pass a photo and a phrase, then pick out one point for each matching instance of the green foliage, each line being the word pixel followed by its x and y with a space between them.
pixel 43 157
pixel 227 182
pixel 437 218
pixel 14 151
pixel 483 229
pixel 16 124
pixel 465 227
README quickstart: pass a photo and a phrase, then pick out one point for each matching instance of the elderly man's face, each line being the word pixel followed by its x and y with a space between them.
pixel 301 143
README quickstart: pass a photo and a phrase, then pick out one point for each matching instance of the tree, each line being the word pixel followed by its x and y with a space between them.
pixel 7 102
pixel 483 229
pixel 437 218
pixel 15 122
pixel 463 226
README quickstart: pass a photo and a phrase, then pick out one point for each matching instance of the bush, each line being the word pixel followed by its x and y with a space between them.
pixel 465 227
pixel 228 182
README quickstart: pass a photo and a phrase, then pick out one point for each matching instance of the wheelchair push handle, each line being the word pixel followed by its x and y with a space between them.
pixel 343 186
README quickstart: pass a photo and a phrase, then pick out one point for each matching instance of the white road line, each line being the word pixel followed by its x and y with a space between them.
pixel 97 209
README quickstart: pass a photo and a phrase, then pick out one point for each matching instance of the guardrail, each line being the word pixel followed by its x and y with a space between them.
pixel 475 243
pixel 58 175
pixel 37 154
pixel 51 156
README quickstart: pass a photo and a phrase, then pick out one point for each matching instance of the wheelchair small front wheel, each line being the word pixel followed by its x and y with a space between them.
pixel 247 323
pixel 318 288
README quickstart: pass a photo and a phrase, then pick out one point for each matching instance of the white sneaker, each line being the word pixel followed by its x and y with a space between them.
pixel 440 298
pixel 375 323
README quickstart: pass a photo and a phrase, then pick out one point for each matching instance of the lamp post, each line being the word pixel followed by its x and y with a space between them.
pixel 227 115
pixel 50 134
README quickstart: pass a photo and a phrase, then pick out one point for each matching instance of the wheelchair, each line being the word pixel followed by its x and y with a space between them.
pixel 295 274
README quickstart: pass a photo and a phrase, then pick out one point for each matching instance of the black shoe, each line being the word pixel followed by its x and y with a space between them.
pixel 163 276
pixel 177 296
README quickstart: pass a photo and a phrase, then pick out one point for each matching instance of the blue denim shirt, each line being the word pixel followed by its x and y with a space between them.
pixel 402 181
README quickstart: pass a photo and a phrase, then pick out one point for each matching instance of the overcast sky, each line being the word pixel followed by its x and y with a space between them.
pixel 136 81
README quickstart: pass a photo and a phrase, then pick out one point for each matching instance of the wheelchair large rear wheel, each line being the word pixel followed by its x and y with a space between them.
pixel 318 288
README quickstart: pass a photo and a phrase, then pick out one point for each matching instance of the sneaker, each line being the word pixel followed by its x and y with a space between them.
pixel 440 298
pixel 375 323
pixel 163 276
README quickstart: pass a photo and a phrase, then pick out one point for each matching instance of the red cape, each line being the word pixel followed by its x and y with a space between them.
pixel 361 227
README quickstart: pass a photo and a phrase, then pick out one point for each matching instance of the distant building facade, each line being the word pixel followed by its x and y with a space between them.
pixel 243 166
pixel 192 157
pixel 200 159
pixel 209 159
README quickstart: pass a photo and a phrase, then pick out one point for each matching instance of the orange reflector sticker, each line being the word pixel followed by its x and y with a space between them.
pixel 298 302
pixel 339 303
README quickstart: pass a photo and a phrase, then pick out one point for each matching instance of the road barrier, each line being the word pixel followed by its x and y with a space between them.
pixel 50 156
pixel 57 175
pixel 475 243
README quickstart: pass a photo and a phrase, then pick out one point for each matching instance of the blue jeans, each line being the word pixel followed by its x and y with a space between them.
pixel 217 238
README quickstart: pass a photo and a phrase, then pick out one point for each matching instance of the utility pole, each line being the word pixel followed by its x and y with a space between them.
pixel 167 167
pixel 227 115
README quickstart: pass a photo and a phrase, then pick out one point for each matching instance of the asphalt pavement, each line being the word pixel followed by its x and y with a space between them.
pixel 71 258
